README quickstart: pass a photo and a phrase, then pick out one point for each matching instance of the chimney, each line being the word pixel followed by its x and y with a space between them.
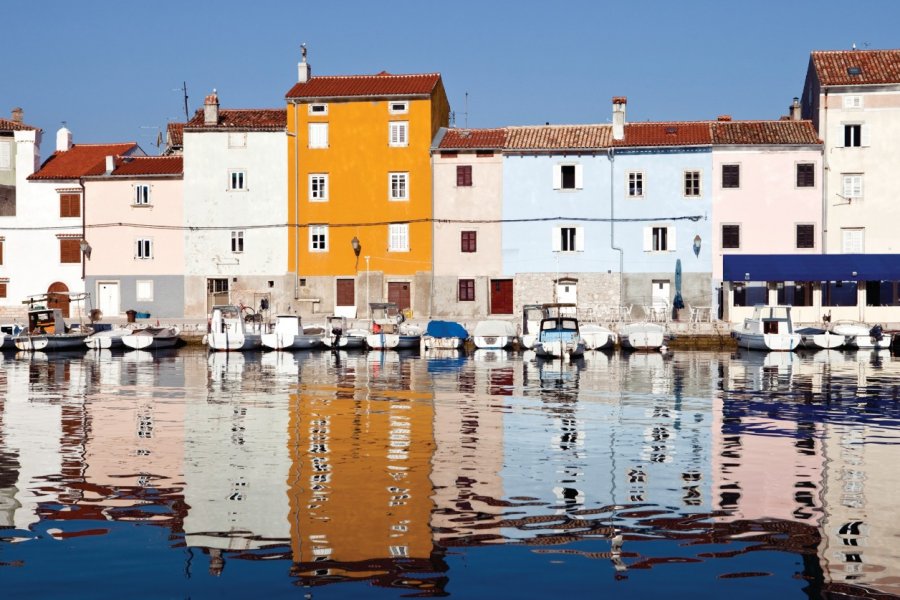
pixel 723 118
pixel 211 109
pixel 63 139
pixel 17 115
pixel 795 110
pixel 618 115
pixel 304 71
pixel 110 164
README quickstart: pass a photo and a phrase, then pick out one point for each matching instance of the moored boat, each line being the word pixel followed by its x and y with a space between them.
pixel 151 338
pixel 597 337
pixel 229 332
pixel 338 334
pixel 388 329
pixel 770 328
pixel 859 335
pixel 642 336
pixel 816 338
pixel 559 338
pixel 107 339
pixel 47 329
pixel 289 334
pixel 447 335
pixel 494 334
pixel 531 322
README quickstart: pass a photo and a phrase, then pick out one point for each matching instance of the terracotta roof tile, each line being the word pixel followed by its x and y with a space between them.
pixel 8 125
pixel 558 137
pixel 383 84
pixel 473 139
pixel 175 134
pixel 81 160
pixel 834 67
pixel 764 132
pixel 674 133
pixel 149 165
pixel 250 119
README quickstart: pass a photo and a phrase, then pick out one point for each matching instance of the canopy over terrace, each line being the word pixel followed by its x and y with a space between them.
pixel 861 287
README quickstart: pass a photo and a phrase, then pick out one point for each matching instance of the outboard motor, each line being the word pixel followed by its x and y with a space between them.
pixel 877 333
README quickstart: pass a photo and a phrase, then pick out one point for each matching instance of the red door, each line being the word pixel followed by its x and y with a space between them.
pixel 58 297
pixel 398 292
pixel 346 295
pixel 501 296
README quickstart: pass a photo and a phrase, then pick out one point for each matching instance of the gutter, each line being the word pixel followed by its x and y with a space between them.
pixel 296 165
pixel 612 223
pixel 825 173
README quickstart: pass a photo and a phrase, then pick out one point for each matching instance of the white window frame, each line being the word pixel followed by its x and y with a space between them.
pixel 863 134
pixel 141 194
pixel 652 242
pixel 318 135
pixel 318 193
pixel 398 134
pixel 317 109
pixel 318 238
pixel 398 187
pixel 237 180
pixel 398 237
pixel 849 245
pixel 237 139
pixel 398 107
pixel 563 242
pixel 852 186
pixel 558 178
pixel 853 101
pixel 237 241
pixel 143 248
pixel 143 290
pixel 5 155
pixel 634 184
pixel 684 183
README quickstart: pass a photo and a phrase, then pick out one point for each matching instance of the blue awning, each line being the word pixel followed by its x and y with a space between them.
pixel 811 267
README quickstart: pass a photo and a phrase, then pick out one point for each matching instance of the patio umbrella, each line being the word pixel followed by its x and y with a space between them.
pixel 678 302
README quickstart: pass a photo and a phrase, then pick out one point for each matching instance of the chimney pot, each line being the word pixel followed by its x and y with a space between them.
pixel 17 114
pixel 211 109
pixel 795 110
pixel 723 118
pixel 63 139
pixel 304 71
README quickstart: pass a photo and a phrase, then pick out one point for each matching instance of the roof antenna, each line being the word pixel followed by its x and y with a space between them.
pixel 466 113
pixel 183 90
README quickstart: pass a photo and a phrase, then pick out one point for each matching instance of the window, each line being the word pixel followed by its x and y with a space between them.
pixel 5 155
pixel 142 195
pixel 237 181
pixel 806 175
pixel 237 241
pixel 318 187
pixel 806 236
pixel 567 177
pixel 692 184
pixel 143 249
pixel 466 291
pixel 852 135
pixel 659 239
pixel 463 175
pixel 318 109
pixel 398 133
pixel 853 240
pixel 318 238
pixel 568 239
pixel 143 290
pixel 237 139
pixel 69 205
pixel 398 107
pixel 468 241
pixel 731 236
pixel 398 237
pixel 635 185
pixel 853 102
pixel 3 289
pixel 69 250
pixel 398 186
pixel 318 135
pixel 731 176
pixel 852 186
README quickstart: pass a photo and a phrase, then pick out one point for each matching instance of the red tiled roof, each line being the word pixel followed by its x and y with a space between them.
pixel 175 134
pixel 675 133
pixel 558 137
pixel 81 160
pixel 875 66
pixel 764 132
pixel 383 84
pixel 473 139
pixel 8 125
pixel 149 165
pixel 252 119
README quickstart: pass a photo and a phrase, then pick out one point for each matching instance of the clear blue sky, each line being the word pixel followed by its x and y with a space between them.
pixel 111 70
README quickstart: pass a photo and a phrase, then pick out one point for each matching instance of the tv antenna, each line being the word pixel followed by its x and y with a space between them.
pixel 466 113
pixel 183 90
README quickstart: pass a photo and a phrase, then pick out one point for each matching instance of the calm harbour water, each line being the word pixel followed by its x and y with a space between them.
pixel 694 474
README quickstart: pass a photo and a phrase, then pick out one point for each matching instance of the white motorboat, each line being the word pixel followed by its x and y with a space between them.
pixel 338 334
pixel 389 331
pixel 445 335
pixel 152 338
pixel 47 329
pixel 8 333
pixel 494 334
pixel 770 328
pixel 289 334
pixel 642 336
pixel 559 338
pixel 229 332
pixel 107 339
pixel 531 323
pixel 597 337
pixel 860 335
pixel 816 338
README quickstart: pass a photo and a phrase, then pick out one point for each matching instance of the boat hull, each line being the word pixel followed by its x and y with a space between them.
pixel 281 341
pixel 443 343
pixel 492 342
pixel 151 340
pixel 648 337
pixel 560 349
pixel 383 341
pixel 50 343
pixel 773 342
pixel 232 342
pixel 822 341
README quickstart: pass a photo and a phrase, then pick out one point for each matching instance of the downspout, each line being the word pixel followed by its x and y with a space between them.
pixel 612 224
pixel 296 166
pixel 433 226
pixel 825 173
pixel 83 229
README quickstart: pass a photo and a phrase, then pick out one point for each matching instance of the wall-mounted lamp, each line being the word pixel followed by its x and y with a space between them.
pixel 85 248
pixel 853 273
pixel 357 248
pixel 746 276
pixel 697 246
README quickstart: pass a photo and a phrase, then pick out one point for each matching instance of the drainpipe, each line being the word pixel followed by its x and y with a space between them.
pixel 296 166
pixel 612 224
pixel 825 172
pixel 433 226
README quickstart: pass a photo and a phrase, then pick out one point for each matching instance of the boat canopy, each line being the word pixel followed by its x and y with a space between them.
pixel 494 328
pixel 811 267
pixel 446 329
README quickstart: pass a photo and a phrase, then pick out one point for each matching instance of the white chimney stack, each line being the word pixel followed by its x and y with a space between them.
pixel 618 117
pixel 795 110
pixel 211 109
pixel 63 139
pixel 110 164
pixel 303 69
pixel 17 115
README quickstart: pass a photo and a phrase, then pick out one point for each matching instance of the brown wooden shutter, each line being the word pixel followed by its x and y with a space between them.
pixel 69 205
pixel 463 175
pixel 731 236
pixel 69 251
pixel 2 290
pixel 806 236
pixel 806 175
pixel 731 176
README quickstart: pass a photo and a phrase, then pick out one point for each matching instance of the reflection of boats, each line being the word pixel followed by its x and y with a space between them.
pixel 227 331
pixel 338 334
pixel 816 338
pixel 597 337
pixel 770 328
pixel 446 335
pixel 860 335
pixel 151 338
pixel 490 355
pixel 559 338
pixel 531 322
pixel 388 330
pixel 289 334
pixel 494 333
pixel 642 336
pixel 47 329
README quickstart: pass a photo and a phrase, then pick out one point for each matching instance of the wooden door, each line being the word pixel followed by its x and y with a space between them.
pixel 398 292
pixel 58 297
pixel 501 296
pixel 346 292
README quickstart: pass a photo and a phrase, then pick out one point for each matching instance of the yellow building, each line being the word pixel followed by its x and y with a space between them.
pixel 359 188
